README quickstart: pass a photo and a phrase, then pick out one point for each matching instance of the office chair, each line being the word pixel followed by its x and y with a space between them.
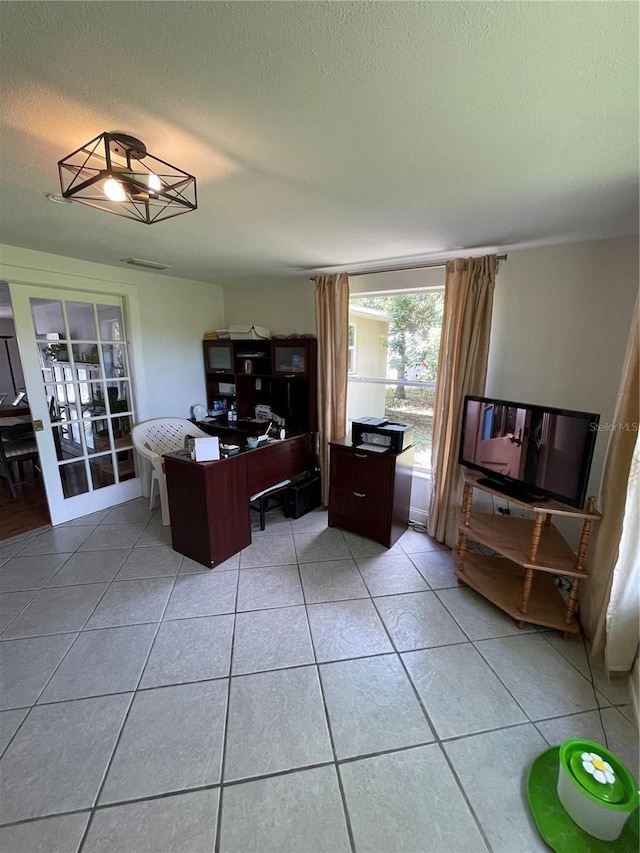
pixel 152 439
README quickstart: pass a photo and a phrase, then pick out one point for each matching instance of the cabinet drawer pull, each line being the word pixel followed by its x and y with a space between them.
pixel 359 494
pixel 361 455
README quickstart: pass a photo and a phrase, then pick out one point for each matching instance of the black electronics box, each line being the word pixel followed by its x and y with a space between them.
pixel 303 496
pixel 379 432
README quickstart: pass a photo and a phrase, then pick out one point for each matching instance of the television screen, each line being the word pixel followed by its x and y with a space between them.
pixel 529 451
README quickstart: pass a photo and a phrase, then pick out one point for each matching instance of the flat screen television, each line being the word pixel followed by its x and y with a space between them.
pixel 528 451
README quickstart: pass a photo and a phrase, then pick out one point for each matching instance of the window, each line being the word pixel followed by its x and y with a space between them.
pixel 397 341
pixel 352 348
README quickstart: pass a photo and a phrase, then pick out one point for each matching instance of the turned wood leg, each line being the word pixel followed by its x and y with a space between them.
pixel 535 537
pixel 584 539
pixel 526 590
pixel 462 552
pixel 467 500
pixel 573 601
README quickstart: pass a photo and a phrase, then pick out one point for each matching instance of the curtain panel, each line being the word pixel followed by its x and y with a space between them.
pixel 462 369
pixel 615 550
pixel 332 320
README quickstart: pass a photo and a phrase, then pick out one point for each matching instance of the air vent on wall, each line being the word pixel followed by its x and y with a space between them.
pixel 152 265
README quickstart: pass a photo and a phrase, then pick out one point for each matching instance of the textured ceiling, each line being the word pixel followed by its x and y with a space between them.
pixel 326 134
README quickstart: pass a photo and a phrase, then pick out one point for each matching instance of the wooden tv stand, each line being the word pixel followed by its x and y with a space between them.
pixel 529 553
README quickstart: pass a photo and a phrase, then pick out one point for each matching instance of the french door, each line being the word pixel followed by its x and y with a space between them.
pixel 76 363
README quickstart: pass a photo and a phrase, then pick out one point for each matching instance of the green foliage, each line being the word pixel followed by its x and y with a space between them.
pixel 414 335
pixel 98 406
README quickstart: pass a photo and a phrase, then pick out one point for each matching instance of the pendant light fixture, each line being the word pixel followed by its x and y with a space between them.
pixel 114 172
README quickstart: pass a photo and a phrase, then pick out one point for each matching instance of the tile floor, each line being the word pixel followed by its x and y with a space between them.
pixel 314 693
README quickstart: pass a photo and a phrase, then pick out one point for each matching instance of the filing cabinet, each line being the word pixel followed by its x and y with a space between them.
pixel 370 493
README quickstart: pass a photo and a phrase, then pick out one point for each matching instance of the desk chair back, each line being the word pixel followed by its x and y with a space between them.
pixel 14 450
pixel 152 439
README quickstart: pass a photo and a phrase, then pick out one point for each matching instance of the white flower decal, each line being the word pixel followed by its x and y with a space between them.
pixel 600 769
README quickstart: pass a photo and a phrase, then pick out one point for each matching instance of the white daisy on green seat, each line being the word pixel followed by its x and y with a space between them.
pixel 600 769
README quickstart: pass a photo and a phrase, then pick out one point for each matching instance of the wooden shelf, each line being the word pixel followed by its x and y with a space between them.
pixel 549 507
pixel 501 582
pixel 511 537
pixel 519 580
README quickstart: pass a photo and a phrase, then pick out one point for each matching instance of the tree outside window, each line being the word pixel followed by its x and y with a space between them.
pixel 412 344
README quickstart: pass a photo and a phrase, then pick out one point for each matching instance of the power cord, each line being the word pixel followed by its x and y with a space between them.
pixel 477 548
pixel 595 693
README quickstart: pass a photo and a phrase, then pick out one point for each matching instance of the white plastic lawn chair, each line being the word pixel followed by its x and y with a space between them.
pixel 154 438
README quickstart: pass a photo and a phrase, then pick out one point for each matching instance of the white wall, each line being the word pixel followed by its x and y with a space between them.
pixel 167 318
pixel 283 306
pixel 287 305
pixel 371 360
pixel 561 319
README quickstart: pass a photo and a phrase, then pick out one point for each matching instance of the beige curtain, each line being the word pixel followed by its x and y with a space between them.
pixel 464 348
pixel 332 321
pixel 603 561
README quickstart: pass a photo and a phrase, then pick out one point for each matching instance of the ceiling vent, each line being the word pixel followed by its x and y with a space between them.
pixel 151 265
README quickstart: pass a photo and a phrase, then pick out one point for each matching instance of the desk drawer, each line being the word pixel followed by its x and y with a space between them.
pixel 368 514
pixel 362 471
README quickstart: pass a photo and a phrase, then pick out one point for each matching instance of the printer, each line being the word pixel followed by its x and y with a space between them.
pixel 381 433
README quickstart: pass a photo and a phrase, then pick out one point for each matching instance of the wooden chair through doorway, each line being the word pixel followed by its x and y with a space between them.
pixel 16 448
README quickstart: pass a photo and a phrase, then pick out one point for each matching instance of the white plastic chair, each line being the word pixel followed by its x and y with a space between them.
pixel 154 438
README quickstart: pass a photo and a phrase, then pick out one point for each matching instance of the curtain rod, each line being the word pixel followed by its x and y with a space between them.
pixel 376 270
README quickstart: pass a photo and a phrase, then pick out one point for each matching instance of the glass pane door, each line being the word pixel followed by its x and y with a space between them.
pixel 81 354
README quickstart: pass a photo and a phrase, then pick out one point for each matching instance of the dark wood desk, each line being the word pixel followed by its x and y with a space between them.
pixel 14 411
pixel 209 501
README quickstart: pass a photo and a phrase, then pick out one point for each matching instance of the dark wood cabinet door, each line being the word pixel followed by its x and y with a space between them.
pixel 293 358
pixel 368 514
pixel 362 471
pixel 218 357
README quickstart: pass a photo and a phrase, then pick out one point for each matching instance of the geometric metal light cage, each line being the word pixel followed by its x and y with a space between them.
pixel 114 172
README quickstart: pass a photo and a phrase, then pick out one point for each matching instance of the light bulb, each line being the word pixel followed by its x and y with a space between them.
pixel 114 190
pixel 150 180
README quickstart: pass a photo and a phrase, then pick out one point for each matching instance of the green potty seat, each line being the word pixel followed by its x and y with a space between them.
pixel 596 789
pixel 556 827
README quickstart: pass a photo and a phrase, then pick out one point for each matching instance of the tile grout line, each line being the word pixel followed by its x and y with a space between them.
pixel 591 678
pixel 437 739
pixel 71 645
pixel 124 722
pixel 336 762
pixel 343 797
pixel 476 643
pixel 225 735
pixel 108 587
